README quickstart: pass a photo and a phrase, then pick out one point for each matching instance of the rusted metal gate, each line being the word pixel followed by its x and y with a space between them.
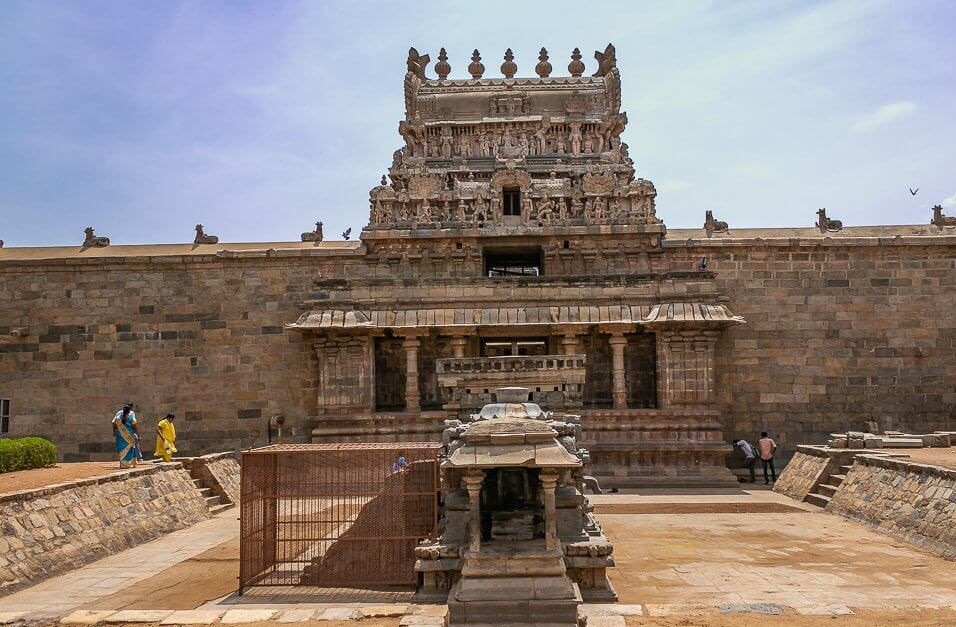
pixel 336 515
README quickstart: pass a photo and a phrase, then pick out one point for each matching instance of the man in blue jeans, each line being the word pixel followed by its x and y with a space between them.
pixel 750 457
pixel 767 446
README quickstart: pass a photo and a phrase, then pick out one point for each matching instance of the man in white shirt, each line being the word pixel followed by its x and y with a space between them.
pixel 750 453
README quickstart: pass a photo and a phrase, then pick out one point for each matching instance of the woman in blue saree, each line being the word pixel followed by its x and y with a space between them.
pixel 127 439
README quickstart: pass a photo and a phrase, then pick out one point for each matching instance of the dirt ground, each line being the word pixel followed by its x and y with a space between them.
pixel 922 618
pixel 39 477
pixel 695 508
pixel 945 457
pixel 185 586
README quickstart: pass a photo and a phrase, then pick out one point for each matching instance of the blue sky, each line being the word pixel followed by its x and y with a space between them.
pixel 259 118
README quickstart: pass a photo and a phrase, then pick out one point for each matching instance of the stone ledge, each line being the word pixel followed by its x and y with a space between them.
pixel 909 466
pixel 32 493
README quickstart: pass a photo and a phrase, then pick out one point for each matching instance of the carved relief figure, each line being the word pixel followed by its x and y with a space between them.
pixel 575 138
pixel 545 212
pixel 541 135
pixel 446 142
pixel 484 145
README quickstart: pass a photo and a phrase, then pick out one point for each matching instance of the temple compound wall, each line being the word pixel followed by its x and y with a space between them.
pixel 509 244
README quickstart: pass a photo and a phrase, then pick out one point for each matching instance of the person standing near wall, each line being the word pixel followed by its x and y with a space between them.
pixel 126 436
pixel 750 456
pixel 767 448
pixel 166 438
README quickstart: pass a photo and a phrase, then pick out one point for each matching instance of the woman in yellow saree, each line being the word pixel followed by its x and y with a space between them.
pixel 166 438
pixel 127 439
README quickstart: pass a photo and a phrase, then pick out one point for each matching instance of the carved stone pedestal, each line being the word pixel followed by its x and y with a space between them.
pixel 514 582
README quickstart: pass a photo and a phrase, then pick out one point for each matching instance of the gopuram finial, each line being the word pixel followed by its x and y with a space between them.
pixel 543 68
pixel 509 68
pixel 576 68
pixel 442 68
pixel 476 68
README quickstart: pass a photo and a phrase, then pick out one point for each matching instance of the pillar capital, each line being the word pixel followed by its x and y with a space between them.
pixel 616 328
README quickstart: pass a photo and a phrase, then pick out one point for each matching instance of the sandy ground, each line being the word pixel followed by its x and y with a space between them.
pixel 39 477
pixel 695 508
pixel 185 586
pixel 924 618
pixel 945 457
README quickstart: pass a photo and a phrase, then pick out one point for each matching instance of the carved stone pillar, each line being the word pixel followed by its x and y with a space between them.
pixel 549 481
pixel 473 481
pixel 619 388
pixel 412 394
pixel 459 340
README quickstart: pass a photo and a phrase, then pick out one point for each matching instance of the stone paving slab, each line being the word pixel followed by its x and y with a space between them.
pixel 822 610
pixel 751 608
pixel 138 616
pixel 384 611
pixel 8 617
pixel 193 617
pixel 85 617
pixel 337 613
pixel 234 617
pixel 611 609
pixel 606 620
pixel 296 616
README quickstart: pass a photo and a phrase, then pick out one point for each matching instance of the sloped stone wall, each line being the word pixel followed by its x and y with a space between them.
pixel 58 528
pixel 913 502
pixel 803 473
pixel 219 471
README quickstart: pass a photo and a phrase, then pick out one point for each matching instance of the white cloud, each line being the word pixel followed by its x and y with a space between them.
pixel 884 115
pixel 951 201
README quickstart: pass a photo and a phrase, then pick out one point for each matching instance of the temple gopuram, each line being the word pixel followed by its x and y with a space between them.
pixel 511 243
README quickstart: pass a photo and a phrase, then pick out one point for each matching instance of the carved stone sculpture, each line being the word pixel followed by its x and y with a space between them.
pixel 509 67
pixel 202 238
pixel 417 63
pixel 940 220
pixel 543 68
pixel 576 67
pixel 92 241
pixel 313 236
pixel 713 226
pixel 607 60
pixel 476 68
pixel 826 224
pixel 442 68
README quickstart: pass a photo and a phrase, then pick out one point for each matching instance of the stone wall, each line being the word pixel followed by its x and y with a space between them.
pixel 803 473
pixel 58 528
pixel 913 502
pixel 219 472
pixel 840 330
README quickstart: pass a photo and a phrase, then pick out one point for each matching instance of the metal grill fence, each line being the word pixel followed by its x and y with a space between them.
pixel 336 515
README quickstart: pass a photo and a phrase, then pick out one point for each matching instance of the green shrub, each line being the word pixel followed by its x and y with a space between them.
pixel 26 453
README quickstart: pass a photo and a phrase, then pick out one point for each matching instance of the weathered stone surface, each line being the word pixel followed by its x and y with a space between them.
pixel 85 617
pixel 913 502
pixel 803 473
pixel 59 528
pixel 193 617
pixel 238 616
pixel 138 616
pixel 337 613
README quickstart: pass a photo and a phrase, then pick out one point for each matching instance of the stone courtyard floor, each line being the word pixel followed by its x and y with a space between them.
pixel 722 558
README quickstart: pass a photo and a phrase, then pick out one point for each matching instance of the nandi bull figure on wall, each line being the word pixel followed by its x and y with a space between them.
pixel 202 238
pixel 940 220
pixel 713 226
pixel 826 224
pixel 92 241
pixel 313 236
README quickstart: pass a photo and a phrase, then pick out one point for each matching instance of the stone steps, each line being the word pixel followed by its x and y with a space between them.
pixel 827 490
pixel 837 480
pixel 817 499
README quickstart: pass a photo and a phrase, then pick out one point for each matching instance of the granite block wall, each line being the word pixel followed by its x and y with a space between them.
pixel 913 502
pixel 58 528
pixel 837 333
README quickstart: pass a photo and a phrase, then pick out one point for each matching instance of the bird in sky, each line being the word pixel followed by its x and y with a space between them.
pixel 913 191
pixel 347 233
